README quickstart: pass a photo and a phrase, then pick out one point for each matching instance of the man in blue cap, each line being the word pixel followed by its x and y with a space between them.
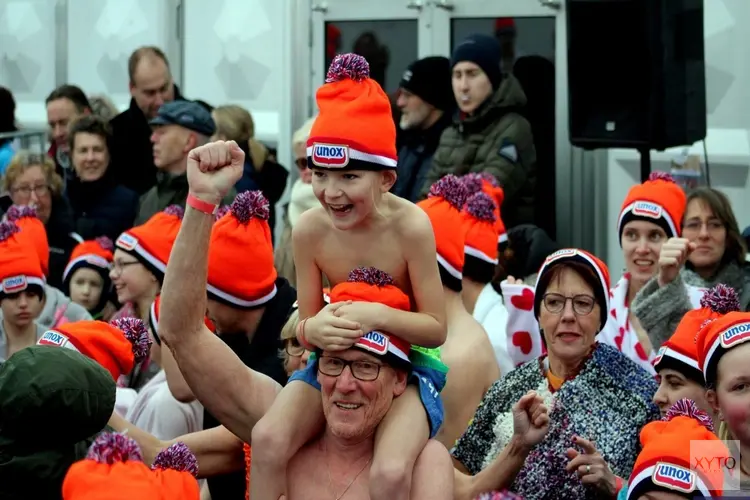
pixel 177 128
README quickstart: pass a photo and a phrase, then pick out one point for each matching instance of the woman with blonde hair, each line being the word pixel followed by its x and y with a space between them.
pixel 301 199
pixel 235 123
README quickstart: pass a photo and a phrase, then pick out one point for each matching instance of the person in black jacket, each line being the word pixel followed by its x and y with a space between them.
pixel 151 85
pixel 101 206
pixel 426 102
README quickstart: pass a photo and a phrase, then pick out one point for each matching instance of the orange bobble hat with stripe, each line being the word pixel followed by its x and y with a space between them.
pixel 481 252
pixel 665 463
pixel 32 226
pixel 658 200
pixel 487 184
pixel 153 320
pixel 117 346
pixel 583 257
pixel 95 254
pixel 443 206
pixel 19 264
pixel 368 284
pixel 354 128
pixel 114 469
pixel 680 351
pixel 152 242
pixel 716 339
pixel 241 270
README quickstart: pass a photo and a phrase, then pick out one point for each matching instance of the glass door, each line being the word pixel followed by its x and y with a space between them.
pixel 532 35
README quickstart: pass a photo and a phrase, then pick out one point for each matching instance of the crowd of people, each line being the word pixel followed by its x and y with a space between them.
pixel 411 335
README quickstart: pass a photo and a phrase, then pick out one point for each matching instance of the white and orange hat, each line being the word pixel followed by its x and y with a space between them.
pixel 241 270
pixel 481 248
pixel 151 242
pixel 487 184
pixel 717 338
pixel 658 200
pixel 19 262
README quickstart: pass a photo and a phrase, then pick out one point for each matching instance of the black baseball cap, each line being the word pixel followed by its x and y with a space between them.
pixel 187 114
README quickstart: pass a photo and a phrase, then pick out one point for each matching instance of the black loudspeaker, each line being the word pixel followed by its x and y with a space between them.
pixel 636 73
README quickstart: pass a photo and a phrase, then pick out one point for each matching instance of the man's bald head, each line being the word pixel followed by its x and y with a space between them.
pixel 151 83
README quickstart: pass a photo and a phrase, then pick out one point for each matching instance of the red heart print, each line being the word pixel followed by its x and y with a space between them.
pixel 522 340
pixel 613 312
pixel 618 339
pixel 525 301
pixel 641 351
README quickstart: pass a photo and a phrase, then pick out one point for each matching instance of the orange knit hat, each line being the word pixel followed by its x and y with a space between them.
pixel 487 184
pixel 481 239
pixel 717 337
pixel 354 128
pixel 19 264
pixel 367 284
pixel 152 242
pixel 241 271
pixel 32 226
pixel 114 469
pixel 577 255
pixel 665 463
pixel 443 206
pixel 95 253
pixel 153 320
pixel 680 351
pixel 117 346
pixel 659 200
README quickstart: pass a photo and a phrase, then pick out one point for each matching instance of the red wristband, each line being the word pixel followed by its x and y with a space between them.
pixel 201 206
pixel 619 483
pixel 300 333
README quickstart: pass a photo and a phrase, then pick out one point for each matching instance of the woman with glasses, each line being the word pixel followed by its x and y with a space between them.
pixel 301 199
pixel 711 251
pixel 598 399
pixel 31 180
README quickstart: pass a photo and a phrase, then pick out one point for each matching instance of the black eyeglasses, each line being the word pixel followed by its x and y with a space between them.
pixel 293 348
pixel 118 267
pixel 366 371
pixel 582 304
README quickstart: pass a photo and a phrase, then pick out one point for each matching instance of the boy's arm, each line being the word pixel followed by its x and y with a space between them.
pixel 217 450
pixel 309 278
pixel 426 327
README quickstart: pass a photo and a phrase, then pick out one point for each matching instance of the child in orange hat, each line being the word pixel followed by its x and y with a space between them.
pixel 487 184
pixel 117 346
pixel 352 153
pixel 676 362
pixel 33 228
pixel 665 464
pixel 86 277
pixel 114 469
pixel 723 353
pixel 21 291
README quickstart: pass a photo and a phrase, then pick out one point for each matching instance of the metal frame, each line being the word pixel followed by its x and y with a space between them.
pixel 61 42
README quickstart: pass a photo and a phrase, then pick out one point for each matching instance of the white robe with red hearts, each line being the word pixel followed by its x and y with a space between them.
pixel 525 342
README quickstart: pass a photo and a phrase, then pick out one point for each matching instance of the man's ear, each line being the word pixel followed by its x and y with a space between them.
pixel 388 180
pixel 191 142
pixel 131 88
pixel 400 386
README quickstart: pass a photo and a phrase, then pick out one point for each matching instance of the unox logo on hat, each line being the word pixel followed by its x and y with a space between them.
pixel 674 477
pixel 97 261
pixel 55 339
pixel 127 242
pixel 659 355
pixel 646 209
pixel 330 155
pixel 14 284
pixel 374 342
pixel 561 254
pixel 735 334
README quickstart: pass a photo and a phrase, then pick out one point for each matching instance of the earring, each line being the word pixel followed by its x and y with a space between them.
pixel 720 417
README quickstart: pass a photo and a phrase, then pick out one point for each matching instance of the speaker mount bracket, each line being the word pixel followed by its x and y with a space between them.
pixel 645 164
pixel 552 4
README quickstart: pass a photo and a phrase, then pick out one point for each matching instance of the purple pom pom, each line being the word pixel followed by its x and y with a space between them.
pixel 177 457
pixel 687 408
pixel 221 212
pixel 105 243
pixel 348 66
pixel 473 183
pixel 482 207
pixel 371 276
pixel 111 447
pixel 499 495
pixel 175 210
pixel 8 229
pixel 488 177
pixel 17 212
pixel 136 332
pixel 721 299
pixel 660 176
pixel 249 205
pixel 451 189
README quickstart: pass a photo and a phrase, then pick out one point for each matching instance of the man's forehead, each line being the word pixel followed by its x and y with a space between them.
pixel 61 105
pixel 151 74
pixel 353 355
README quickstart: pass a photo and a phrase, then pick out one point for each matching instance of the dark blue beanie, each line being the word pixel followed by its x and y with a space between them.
pixel 484 51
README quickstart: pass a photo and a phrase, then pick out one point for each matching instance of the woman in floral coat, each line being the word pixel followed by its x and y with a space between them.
pixel 598 398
